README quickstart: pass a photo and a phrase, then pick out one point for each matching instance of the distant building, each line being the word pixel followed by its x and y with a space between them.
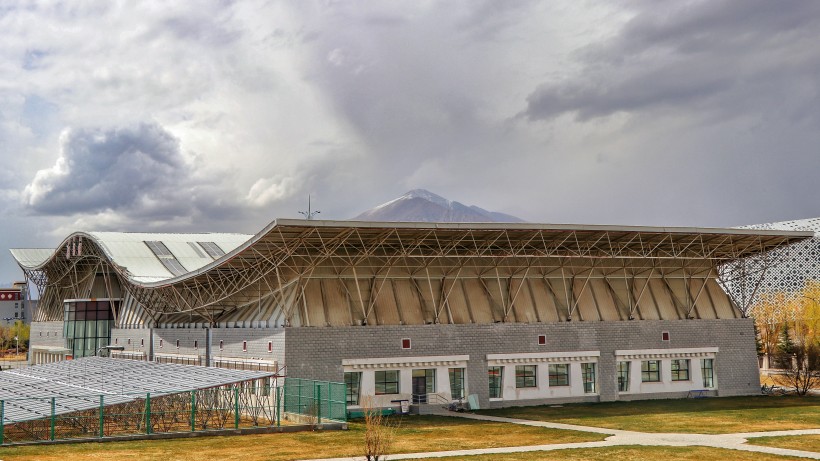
pixel 14 305
pixel 510 313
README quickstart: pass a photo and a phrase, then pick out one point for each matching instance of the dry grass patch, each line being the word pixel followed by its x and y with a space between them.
pixel 792 442
pixel 415 434
pixel 629 453
pixel 707 416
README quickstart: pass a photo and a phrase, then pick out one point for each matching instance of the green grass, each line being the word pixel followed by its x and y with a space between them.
pixel 793 442
pixel 415 434
pixel 629 453
pixel 706 416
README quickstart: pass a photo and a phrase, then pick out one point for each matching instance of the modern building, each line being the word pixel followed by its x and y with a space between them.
pixel 512 314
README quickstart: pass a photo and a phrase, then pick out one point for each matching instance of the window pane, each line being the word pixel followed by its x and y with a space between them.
pixel 680 370
pixel 352 381
pixel 651 371
pixel 496 375
pixel 525 376
pixel 387 382
pixel 559 374
pixel 708 372
pixel 623 376
pixel 588 374
pixel 457 383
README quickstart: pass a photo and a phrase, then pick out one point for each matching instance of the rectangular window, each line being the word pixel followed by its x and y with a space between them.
pixel 680 370
pixel 588 375
pixel 244 346
pixel 221 344
pixel 559 374
pixel 525 376
pixel 623 376
pixel 707 369
pixel 496 377
pixel 352 384
pixel 387 382
pixel 160 344
pixel 457 383
pixel 651 371
pixel 270 346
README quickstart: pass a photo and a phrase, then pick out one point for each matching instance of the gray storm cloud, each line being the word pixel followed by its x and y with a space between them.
pixel 718 57
pixel 107 169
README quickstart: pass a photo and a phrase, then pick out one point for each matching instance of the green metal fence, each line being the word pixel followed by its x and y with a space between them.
pixel 321 400
pixel 236 406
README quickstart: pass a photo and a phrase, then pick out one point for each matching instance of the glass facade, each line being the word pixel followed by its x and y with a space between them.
pixel 496 376
pixel 87 325
pixel 623 376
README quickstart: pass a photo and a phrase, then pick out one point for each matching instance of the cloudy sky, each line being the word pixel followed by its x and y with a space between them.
pixel 221 116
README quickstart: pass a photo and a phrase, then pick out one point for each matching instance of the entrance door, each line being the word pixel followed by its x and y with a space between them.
pixel 419 389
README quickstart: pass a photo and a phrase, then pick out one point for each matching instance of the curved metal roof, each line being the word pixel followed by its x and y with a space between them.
pixel 133 258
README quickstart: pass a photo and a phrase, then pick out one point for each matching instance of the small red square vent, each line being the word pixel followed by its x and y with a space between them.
pixel 542 340
pixel 665 336
pixel 405 343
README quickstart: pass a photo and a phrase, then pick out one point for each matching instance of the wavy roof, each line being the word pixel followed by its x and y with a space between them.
pixel 129 252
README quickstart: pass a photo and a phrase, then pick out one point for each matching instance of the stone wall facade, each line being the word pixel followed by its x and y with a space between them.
pixel 317 353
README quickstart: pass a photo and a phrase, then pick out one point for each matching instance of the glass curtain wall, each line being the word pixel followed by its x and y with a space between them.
pixel 87 325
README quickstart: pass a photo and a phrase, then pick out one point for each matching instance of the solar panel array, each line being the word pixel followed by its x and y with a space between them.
pixel 77 384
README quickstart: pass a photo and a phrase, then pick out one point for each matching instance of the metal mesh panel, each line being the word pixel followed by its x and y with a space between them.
pixel 319 399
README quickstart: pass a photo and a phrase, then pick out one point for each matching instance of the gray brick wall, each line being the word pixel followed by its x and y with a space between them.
pixel 317 353
pixel 192 341
pixel 47 334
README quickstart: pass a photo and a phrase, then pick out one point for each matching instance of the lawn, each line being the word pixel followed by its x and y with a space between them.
pixel 629 453
pixel 415 434
pixel 707 416
pixel 794 442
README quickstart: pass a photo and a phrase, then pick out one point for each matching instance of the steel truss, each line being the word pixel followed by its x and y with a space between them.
pixel 273 278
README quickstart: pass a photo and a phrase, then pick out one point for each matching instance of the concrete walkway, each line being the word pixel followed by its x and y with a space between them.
pixel 616 437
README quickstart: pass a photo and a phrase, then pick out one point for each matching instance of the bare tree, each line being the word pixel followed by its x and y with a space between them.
pixel 803 373
pixel 379 431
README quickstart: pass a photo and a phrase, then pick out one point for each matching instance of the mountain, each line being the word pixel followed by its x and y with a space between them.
pixel 425 206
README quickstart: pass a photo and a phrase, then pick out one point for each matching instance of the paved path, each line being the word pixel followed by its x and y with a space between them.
pixel 616 437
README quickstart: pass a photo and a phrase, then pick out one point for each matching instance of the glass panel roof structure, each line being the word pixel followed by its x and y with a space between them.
pixel 77 384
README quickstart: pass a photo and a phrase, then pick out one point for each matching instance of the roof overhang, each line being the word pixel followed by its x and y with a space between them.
pixel 288 237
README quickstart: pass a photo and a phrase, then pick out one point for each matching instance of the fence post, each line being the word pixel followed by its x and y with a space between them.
pixel 278 391
pixel 317 397
pixel 193 411
pixel 102 416
pixel 2 420
pixel 148 413
pixel 53 416
pixel 236 406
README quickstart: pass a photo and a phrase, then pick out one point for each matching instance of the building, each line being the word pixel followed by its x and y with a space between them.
pixel 512 314
pixel 14 304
